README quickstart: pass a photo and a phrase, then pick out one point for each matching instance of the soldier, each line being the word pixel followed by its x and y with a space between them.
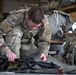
pixel 70 47
pixel 25 33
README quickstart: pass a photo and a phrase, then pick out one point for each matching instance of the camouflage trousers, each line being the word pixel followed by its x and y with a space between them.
pixel 28 50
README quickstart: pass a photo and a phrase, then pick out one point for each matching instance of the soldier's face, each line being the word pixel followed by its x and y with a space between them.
pixel 32 25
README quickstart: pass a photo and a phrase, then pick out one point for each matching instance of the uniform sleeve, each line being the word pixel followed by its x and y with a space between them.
pixel 45 38
pixel 12 41
pixel 3 46
pixel 6 26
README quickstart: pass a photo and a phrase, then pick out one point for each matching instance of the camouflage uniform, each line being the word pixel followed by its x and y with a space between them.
pixel 70 42
pixel 18 38
pixel 70 47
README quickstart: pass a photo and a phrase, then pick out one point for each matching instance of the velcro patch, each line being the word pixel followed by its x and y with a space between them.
pixel 11 20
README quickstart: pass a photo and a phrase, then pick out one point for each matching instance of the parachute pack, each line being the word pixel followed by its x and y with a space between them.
pixel 60 22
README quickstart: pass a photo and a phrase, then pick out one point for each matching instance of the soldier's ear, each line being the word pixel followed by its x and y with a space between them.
pixel 26 16
pixel 43 20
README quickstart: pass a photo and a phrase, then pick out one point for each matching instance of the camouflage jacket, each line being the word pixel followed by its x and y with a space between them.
pixel 40 36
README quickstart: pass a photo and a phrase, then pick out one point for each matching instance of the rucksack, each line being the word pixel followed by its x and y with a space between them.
pixel 60 22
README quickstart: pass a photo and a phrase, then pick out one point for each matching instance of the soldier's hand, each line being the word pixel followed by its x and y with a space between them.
pixel 11 56
pixel 43 57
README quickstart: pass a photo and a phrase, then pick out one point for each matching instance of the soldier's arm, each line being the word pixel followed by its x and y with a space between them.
pixel 10 45
pixel 45 39
pixel 3 46
pixel 5 27
pixel 13 39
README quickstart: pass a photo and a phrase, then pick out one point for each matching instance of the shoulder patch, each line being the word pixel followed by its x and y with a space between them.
pixel 11 20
